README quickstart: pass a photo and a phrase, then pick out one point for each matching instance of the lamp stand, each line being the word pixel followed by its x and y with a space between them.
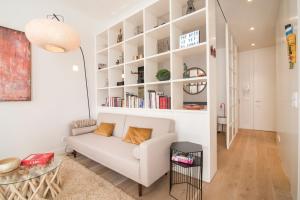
pixel 86 83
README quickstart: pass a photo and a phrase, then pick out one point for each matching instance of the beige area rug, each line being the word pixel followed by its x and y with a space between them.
pixel 79 183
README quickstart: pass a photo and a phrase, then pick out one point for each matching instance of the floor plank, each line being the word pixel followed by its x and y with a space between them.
pixel 250 170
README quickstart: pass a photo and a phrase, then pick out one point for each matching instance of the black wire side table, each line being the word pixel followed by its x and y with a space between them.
pixel 189 174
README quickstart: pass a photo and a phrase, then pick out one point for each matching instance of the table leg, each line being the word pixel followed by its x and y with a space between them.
pixel 52 184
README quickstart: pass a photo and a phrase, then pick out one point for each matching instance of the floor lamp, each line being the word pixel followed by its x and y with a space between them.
pixel 53 35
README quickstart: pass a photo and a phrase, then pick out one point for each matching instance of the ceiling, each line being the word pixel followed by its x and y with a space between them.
pixel 260 14
pixel 100 9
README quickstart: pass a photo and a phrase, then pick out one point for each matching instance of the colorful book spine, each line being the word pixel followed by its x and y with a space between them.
pixel 116 102
pixel 133 101
pixel 157 100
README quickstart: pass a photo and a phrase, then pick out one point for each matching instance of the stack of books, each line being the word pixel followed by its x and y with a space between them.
pixel 116 101
pixel 157 100
pixel 133 101
pixel 185 158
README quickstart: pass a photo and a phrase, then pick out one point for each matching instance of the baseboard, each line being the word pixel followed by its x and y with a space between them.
pixel 58 151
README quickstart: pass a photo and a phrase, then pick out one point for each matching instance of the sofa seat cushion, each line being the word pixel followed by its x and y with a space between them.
pixel 112 152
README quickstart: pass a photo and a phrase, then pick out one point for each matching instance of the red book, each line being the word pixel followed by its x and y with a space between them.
pixel 37 159
pixel 163 102
pixel 160 102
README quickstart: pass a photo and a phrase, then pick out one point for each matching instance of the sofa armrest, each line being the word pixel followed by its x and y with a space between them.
pixel 154 158
pixel 84 130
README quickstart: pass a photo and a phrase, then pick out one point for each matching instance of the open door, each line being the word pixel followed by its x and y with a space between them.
pixel 231 88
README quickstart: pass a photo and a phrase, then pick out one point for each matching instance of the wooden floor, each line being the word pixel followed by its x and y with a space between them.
pixel 250 169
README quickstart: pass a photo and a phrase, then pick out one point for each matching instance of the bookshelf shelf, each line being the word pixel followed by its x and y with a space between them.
pixel 136 60
pixel 102 51
pixel 117 66
pixel 159 57
pixel 135 85
pixel 102 70
pixel 115 87
pixel 158 82
pixel 135 38
pixel 195 18
pixel 193 50
pixel 103 88
pixel 190 79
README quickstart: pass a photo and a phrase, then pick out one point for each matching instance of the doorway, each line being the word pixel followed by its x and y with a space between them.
pixel 221 78
pixel 227 82
pixel 257 89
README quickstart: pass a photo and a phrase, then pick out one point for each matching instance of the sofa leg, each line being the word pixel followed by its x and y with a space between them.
pixel 74 153
pixel 140 190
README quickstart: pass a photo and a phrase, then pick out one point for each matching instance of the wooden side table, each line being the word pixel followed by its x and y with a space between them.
pixel 189 174
pixel 34 183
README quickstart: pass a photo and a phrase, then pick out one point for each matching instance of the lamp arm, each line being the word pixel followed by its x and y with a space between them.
pixel 86 83
pixel 55 16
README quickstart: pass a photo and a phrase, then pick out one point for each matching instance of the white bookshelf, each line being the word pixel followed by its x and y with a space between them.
pixel 196 126
pixel 144 44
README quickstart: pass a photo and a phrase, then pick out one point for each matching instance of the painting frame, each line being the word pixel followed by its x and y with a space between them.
pixel 16 76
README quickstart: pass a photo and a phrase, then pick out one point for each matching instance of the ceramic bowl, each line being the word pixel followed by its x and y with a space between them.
pixel 9 164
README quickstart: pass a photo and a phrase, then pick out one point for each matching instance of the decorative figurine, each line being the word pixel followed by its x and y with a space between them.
pixel 190 7
pixel 120 36
pixel 139 30
pixel 185 71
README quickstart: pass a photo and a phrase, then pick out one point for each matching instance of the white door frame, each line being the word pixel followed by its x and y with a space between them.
pixel 232 102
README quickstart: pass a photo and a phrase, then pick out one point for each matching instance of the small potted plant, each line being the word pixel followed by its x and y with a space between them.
pixel 163 75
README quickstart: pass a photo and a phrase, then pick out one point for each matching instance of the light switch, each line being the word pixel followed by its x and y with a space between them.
pixel 295 100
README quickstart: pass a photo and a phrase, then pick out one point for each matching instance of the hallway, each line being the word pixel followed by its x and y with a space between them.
pixel 250 169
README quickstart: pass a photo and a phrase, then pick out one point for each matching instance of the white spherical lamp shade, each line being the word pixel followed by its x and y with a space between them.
pixel 52 35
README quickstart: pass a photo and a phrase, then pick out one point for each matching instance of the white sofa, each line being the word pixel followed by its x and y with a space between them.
pixel 144 163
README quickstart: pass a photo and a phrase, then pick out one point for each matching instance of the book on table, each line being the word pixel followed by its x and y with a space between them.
pixel 37 159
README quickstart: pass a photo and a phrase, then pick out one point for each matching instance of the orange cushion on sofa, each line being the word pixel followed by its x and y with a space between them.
pixel 105 129
pixel 137 135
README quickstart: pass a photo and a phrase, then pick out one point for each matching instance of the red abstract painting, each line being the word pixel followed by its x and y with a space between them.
pixel 15 66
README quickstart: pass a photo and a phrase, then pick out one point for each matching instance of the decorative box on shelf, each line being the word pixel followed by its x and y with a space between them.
pixel 189 39
pixel 195 105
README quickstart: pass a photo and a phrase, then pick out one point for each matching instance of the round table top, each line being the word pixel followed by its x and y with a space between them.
pixel 24 174
pixel 186 147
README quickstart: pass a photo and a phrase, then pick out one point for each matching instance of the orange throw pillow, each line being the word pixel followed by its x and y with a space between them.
pixel 137 135
pixel 105 129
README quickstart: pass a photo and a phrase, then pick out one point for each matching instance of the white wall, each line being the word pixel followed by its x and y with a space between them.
pixel 287 83
pixel 58 93
pixel 249 73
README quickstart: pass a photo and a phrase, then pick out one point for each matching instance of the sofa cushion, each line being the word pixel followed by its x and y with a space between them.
pixel 112 152
pixel 105 129
pixel 158 125
pixel 136 135
pixel 118 120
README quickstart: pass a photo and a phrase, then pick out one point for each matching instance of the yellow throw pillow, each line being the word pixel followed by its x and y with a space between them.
pixel 137 135
pixel 105 129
